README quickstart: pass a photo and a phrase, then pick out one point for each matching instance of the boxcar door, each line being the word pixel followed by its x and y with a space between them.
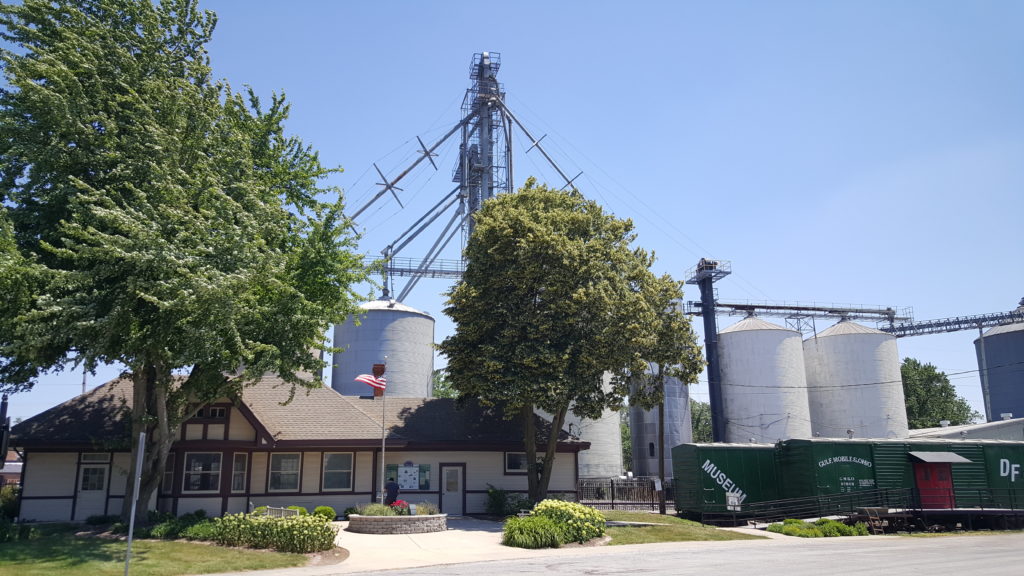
pixel 934 484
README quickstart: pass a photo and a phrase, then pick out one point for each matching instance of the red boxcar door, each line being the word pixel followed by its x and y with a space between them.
pixel 934 483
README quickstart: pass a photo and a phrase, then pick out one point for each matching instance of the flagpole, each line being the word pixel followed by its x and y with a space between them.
pixel 383 435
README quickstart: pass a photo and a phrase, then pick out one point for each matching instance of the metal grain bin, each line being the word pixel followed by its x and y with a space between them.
pixel 643 426
pixel 854 384
pixel 391 330
pixel 1000 356
pixel 764 386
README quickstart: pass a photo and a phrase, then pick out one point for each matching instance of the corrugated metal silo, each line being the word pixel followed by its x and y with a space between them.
pixel 1001 364
pixel 764 386
pixel 643 427
pixel 387 328
pixel 604 458
pixel 854 383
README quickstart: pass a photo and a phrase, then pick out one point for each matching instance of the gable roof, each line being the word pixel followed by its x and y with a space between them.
pixel 315 417
pixel 98 418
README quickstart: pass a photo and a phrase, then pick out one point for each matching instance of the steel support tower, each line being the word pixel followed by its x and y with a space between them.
pixel 483 170
pixel 704 275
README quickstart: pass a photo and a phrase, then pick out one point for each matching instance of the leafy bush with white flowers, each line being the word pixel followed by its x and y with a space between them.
pixel 576 522
pixel 299 534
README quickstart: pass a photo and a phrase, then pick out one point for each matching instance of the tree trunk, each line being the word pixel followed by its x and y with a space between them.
pixel 530 444
pixel 149 415
pixel 661 449
pixel 549 454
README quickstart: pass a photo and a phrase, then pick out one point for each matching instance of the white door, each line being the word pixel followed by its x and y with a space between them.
pixel 451 490
pixel 91 492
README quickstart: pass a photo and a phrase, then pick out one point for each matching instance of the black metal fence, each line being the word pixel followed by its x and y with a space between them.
pixel 618 494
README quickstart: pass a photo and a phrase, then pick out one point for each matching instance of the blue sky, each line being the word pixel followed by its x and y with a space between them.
pixel 836 152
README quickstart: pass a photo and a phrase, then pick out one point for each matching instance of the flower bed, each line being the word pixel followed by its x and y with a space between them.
pixel 397 524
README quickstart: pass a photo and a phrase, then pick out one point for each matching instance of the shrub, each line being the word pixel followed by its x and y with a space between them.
pixel 302 511
pixel 9 502
pixel 374 509
pixel 101 519
pixel 304 534
pixel 496 500
pixel 575 522
pixel 325 512
pixel 204 530
pixel 531 532
pixel 503 503
pixel 351 510
pixel 300 534
pixel 426 508
pixel 821 528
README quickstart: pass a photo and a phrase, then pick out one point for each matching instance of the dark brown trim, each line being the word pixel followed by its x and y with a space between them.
pixel 71 497
pixel 261 431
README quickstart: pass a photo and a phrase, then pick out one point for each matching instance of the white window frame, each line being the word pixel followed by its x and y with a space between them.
pixel 508 470
pixel 350 470
pixel 236 472
pixel 297 472
pixel 103 476
pixel 187 473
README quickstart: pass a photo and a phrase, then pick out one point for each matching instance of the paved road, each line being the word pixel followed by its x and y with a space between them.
pixel 960 555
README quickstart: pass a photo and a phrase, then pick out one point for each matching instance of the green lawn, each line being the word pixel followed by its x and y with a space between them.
pixel 61 552
pixel 671 529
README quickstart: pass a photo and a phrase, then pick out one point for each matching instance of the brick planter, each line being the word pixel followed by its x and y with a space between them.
pixel 397 524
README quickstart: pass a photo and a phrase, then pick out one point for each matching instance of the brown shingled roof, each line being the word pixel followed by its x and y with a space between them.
pixel 318 416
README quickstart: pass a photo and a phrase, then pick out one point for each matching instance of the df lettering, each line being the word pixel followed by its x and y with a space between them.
pixel 1007 469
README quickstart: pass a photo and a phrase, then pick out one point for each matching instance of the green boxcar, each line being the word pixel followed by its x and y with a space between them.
pixel 846 474
pixel 719 477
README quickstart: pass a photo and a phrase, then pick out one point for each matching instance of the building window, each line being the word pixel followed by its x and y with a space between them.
pixel 202 472
pixel 284 472
pixel 211 413
pixel 94 457
pixel 239 470
pixel 415 477
pixel 167 480
pixel 515 462
pixel 94 478
pixel 338 471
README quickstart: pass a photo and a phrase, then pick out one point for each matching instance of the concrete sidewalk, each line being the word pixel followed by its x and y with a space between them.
pixel 466 540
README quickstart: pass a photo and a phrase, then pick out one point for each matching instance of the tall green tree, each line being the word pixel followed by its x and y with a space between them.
pixel 553 297
pixel 931 398
pixel 167 222
pixel 700 421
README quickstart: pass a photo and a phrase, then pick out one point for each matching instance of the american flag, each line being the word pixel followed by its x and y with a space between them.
pixel 372 380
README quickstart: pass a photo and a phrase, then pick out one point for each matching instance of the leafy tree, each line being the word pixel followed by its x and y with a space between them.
pixel 931 398
pixel 700 421
pixel 441 386
pixel 553 298
pixel 165 221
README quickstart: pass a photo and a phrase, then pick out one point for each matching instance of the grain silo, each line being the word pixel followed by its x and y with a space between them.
pixel 764 386
pixel 854 386
pixel 1000 353
pixel 643 426
pixel 604 458
pixel 391 330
